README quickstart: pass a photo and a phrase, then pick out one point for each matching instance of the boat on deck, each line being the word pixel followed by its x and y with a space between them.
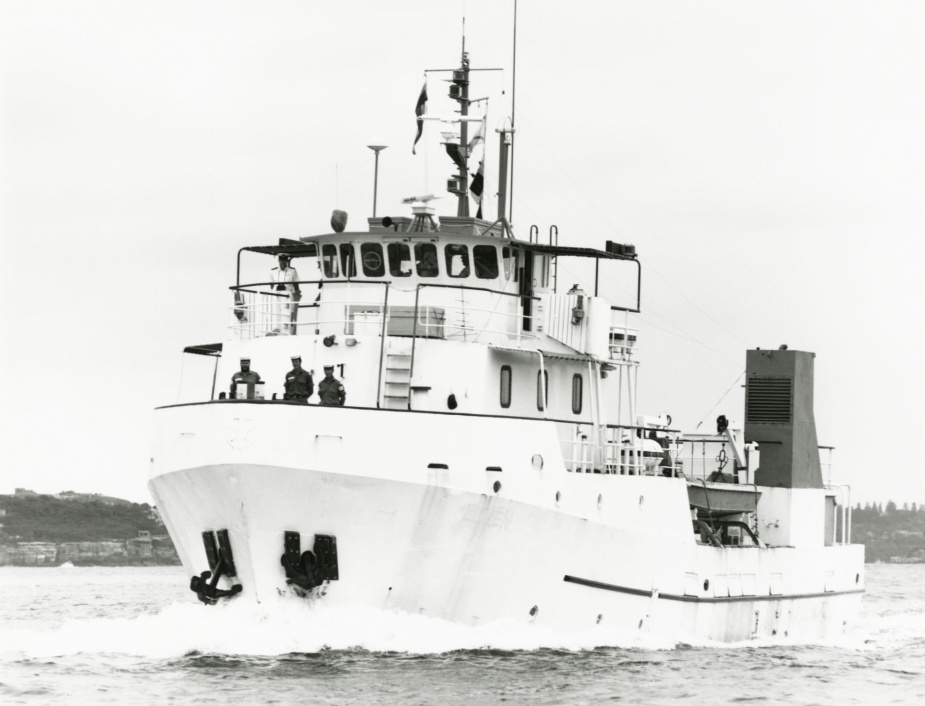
pixel 489 461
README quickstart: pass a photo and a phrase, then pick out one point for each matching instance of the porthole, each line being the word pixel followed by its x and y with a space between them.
pixel 505 386
pixel 857 578
pixel 600 501
pixel 538 462
pixel 497 486
pixel 706 584
pixel 600 617
pixel 533 611
pixel 542 390
pixel 558 497
pixel 576 394
pixel 642 500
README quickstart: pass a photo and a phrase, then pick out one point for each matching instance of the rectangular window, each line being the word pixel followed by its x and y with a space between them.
pixel 371 255
pixel 542 271
pixel 425 256
pixel 348 263
pixel 457 260
pixel 399 259
pixel 542 390
pixel 486 261
pixel 507 257
pixel 505 386
pixel 576 393
pixel 329 261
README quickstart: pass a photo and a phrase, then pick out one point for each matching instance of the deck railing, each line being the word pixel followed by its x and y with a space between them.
pixel 619 450
pixel 428 311
pixel 703 456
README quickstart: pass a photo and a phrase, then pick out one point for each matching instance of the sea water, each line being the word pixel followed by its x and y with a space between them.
pixel 137 635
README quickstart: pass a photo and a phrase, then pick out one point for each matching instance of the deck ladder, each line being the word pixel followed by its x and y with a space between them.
pixel 396 384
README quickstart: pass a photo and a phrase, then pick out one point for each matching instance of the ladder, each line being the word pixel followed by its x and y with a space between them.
pixel 396 383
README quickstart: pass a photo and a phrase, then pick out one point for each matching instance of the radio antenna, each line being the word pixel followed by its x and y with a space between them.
pixel 510 208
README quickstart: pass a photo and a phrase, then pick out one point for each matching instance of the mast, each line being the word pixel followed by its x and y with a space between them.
pixel 459 91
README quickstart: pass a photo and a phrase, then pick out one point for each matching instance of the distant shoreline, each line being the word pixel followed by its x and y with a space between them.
pixel 84 564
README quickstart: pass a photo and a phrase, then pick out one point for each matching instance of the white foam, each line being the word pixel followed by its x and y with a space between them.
pixel 242 628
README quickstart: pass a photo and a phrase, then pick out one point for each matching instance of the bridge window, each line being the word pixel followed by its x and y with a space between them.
pixel 399 259
pixel 505 386
pixel 329 260
pixel 576 393
pixel 348 263
pixel 542 390
pixel 371 255
pixel 457 260
pixel 486 261
pixel 425 256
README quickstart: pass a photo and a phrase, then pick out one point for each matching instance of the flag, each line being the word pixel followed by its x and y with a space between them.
pixel 453 150
pixel 475 188
pixel 419 111
pixel 479 135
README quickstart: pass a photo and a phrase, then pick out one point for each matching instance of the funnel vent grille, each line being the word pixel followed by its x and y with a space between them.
pixel 769 400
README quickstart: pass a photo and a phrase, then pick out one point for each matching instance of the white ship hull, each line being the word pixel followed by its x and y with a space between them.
pixel 547 546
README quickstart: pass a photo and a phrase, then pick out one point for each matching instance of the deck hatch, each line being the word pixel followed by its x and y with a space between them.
pixel 769 399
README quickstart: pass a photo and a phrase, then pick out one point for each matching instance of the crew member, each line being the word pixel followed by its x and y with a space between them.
pixel 331 390
pixel 287 280
pixel 299 385
pixel 245 374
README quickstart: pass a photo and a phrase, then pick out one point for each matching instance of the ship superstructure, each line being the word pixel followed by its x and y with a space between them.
pixel 490 462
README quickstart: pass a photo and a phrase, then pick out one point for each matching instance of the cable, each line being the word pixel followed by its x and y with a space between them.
pixel 719 400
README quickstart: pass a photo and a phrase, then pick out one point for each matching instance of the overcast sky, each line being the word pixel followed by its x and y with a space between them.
pixel 767 159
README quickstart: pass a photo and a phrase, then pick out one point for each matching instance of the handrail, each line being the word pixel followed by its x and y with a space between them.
pixel 240 287
pixel 421 285
pixel 385 318
pixel 414 338
pixel 417 299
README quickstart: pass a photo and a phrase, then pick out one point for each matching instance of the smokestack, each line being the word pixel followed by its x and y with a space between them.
pixel 779 418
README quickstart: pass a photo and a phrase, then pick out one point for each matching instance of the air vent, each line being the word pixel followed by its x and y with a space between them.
pixel 769 399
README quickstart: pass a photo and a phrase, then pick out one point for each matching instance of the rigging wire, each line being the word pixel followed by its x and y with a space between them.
pixel 613 229
pixel 678 332
pixel 719 400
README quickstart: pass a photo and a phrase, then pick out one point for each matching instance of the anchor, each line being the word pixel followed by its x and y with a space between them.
pixel 309 569
pixel 205 586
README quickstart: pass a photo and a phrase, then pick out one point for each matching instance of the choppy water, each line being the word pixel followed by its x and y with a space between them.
pixel 139 636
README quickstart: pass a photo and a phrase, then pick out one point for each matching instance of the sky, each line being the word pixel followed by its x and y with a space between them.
pixel 767 160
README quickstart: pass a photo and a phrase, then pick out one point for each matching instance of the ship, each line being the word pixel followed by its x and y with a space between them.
pixel 483 458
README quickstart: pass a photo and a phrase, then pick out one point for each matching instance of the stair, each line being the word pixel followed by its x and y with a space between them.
pixel 396 379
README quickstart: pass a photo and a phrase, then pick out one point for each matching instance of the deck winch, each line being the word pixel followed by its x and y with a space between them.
pixel 309 569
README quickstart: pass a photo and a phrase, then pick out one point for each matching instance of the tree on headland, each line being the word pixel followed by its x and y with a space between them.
pixel 45 518
pixel 896 534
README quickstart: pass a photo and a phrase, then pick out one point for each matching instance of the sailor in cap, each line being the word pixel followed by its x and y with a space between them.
pixel 287 280
pixel 331 390
pixel 299 385
pixel 245 374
